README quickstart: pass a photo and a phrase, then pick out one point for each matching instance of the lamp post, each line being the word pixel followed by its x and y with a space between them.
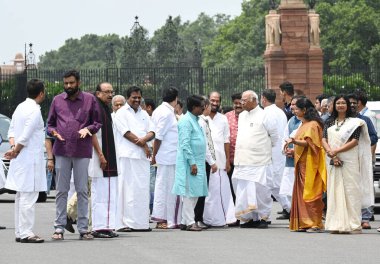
pixel 30 58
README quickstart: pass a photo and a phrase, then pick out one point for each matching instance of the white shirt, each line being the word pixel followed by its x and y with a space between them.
pixel 209 159
pixel 277 122
pixel 166 130
pixel 27 172
pixel 220 133
pixel 139 123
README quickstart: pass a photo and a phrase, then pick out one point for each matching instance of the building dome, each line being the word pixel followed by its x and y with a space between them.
pixel 19 57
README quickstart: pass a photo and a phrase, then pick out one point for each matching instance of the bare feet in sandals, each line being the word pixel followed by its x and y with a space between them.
pixel 32 239
pixel 57 236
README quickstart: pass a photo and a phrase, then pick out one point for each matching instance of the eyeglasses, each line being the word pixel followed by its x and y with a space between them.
pixel 108 92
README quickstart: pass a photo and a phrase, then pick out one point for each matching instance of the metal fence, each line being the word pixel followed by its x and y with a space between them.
pixel 189 80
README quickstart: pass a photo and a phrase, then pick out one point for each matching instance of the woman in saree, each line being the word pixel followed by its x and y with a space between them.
pixel 347 144
pixel 310 170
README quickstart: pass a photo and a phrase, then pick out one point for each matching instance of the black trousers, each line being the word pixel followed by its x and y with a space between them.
pixel 200 207
pixel 230 178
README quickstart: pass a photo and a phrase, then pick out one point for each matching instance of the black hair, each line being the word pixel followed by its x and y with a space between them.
pixel 352 96
pixel 194 101
pixel 133 89
pixel 236 96
pixel 297 97
pixel 334 113
pixel 74 73
pixel 226 109
pixel 220 96
pixel 180 103
pixel 270 95
pixel 311 113
pixel 361 96
pixel 34 87
pixel 287 87
pixel 169 94
pixel 321 97
pixel 150 102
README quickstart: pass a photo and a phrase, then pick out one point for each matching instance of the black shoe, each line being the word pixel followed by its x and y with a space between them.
pixel 250 224
pixel 69 225
pixel 141 230
pixel 18 239
pixel 182 227
pixel 282 212
pixel 284 216
pixel 101 234
pixel 2 227
pixel 262 224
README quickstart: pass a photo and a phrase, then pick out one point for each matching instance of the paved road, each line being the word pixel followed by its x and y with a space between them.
pixel 229 245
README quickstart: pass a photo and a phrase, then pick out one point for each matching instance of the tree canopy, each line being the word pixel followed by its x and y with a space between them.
pixel 350 37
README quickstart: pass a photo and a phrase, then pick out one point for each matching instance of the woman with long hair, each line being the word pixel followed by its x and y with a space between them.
pixel 310 170
pixel 347 144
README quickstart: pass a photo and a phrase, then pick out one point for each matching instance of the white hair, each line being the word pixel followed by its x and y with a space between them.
pixel 251 94
pixel 116 97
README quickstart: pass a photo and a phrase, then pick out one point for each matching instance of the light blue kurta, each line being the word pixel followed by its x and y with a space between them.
pixel 191 150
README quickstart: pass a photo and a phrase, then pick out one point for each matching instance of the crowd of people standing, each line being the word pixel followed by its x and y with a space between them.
pixel 192 171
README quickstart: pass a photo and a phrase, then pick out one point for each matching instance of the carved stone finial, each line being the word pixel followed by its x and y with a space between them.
pixel 312 3
pixel 272 4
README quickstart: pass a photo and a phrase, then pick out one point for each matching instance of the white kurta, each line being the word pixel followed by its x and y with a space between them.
pixel 253 156
pixel 134 178
pixel 166 206
pixel 219 206
pixel 277 121
pixel 27 172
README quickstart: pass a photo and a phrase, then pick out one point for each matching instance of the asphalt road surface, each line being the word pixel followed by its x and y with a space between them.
pixel 223 245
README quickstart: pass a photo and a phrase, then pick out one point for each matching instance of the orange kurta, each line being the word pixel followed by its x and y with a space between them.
pixel 310 179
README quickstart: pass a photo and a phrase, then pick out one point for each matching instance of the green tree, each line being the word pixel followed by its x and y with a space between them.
pixel 86 52
pixel 349 30
pixel 241 42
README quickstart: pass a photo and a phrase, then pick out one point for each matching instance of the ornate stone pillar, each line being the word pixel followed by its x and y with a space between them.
pixel 298 58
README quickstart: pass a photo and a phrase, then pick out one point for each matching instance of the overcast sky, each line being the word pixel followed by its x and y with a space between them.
pixel 48 23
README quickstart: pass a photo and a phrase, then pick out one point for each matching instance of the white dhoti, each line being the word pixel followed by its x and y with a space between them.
pixel 253 198
pixel 133 194
pixel 25 203
pixel 166 205
pixel 286 188
pixel 103 202
pixel 219 206
pixel 2 175
pixel 274 179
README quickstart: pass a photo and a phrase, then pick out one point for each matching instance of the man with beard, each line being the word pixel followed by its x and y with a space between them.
pixel 233 118
pixel 133 130
pixel 103 169
pixel 367 212
pixel 73 118
pixel 219 205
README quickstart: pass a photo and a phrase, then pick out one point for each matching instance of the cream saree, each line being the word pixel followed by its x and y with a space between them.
pixel 348 187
